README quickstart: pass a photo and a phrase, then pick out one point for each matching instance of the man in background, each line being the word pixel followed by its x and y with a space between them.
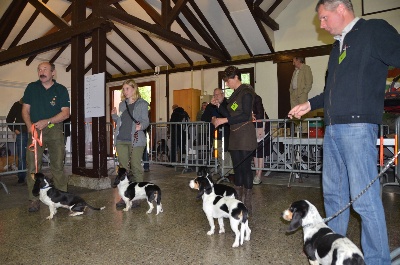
pixel 15 116
pixel 301 83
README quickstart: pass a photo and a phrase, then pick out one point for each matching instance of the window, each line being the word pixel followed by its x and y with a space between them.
pixel 247 75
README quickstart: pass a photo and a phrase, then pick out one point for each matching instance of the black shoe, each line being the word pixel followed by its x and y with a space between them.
pixel 146 170
pixel 120 204
pixel 34 206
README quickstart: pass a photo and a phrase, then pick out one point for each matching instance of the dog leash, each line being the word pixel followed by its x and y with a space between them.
pixel 35 141
pixel 387 166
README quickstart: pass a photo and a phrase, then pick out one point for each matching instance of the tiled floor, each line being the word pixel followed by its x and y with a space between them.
pixel 176 236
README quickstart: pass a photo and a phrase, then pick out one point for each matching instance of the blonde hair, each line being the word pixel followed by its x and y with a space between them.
pixel 136 95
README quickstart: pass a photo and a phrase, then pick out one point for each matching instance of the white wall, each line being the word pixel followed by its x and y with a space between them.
pixel 299 28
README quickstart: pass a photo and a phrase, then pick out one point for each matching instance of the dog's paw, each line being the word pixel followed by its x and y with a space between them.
pixel 125 209
pixel 149 211
pixel 222 230
pixel 211 232
pixel 49 217
pixel 235 244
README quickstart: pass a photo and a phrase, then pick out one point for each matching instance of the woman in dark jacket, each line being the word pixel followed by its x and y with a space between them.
pixel 242 139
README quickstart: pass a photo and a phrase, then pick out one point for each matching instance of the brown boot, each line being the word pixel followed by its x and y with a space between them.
pixel 231 178
pixel 239 191
pixel 248 200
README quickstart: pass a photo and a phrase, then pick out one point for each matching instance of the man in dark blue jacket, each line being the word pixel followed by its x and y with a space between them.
pixel 353 107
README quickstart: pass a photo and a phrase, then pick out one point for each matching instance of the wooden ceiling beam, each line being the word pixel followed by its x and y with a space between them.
pixel 266 18
pixel 53 40
pixel 273 7
pixel 157 49
pixel 87 48
pixel 229 17
pixel 190 35
pixel 260 26
pixel 155 16
pixel 116 66
pixel 210 29
pixel 25 28
pixel 58 53
pixel 161 33
pixel 123 56
pixel 173 14
pixel 10 18
pixel 133 47
pixel 184 54
pixel 50 15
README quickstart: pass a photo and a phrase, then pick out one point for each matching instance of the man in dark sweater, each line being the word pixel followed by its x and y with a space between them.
pixel 15 116
pixel 353 107
pixel 223 132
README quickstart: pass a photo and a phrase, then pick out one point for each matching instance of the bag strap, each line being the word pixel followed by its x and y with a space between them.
pixel 135 136
pixel 129 112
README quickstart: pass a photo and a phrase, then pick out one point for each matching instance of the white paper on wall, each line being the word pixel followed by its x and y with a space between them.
pixel 94 95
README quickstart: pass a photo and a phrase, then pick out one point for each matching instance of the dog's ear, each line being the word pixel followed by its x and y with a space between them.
pixel 200 193
pixel 296 221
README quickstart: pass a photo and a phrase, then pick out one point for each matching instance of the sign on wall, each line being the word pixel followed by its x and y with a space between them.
pixel 94 95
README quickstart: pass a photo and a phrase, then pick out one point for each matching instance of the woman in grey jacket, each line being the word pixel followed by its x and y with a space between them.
pixel 129 137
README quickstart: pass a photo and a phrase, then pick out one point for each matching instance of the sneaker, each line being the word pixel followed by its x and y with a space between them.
pixel 267 173
pixel 257 180
pixel 34 206
pixel 120 204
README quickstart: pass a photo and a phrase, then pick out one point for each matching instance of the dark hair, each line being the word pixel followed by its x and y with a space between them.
pixel 300 59
pixel 231 72
pixel 333 4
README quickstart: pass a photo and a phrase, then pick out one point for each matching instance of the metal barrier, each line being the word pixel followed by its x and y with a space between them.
pixel 293 146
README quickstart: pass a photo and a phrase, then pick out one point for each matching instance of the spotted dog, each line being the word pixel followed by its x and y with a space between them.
pixel 55 198
pixel 219 189
pixel 321 244
pixel 132 191
pixel 216 206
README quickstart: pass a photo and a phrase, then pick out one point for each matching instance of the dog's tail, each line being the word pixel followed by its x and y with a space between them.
pixel 95 208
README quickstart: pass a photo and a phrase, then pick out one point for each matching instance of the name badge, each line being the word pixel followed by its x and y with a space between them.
pixel 342 56
pixel 234 106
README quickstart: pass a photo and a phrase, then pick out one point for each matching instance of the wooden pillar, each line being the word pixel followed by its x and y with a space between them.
pixel 77 91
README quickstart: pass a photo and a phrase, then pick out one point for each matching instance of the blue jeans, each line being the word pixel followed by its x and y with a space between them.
pixel 21 143
pixel 349 164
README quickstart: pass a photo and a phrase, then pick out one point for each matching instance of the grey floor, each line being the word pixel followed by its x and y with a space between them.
pixel 176 236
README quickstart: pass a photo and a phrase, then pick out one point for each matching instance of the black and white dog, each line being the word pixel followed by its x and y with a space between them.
pixel 216 206
pixel 55 198
pixel 321 244
pixel 219 189
pixel 132 191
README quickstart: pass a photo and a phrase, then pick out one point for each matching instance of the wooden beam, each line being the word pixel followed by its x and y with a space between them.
pixel 229 17
pixel 50 15
pixel 133 46
pixel 159 32
pixel 52 41
pixel 123 56
pixel 266 18
pixel 157 49
pixel 9 19
pixel 275 57
pixel 273 7
pixel 210 29
pixel 155 16
pixel 116 66
pixel 173 14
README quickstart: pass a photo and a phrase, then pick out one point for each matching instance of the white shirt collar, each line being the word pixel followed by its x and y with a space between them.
pixel 346 29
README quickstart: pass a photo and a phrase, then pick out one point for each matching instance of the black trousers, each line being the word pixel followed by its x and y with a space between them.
pixel 242 165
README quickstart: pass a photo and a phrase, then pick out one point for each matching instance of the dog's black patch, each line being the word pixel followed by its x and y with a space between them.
pixel 224 208
pixel 355 259
pixel 311 243
pixel 216 200
pixel 241 208
pixel 325 243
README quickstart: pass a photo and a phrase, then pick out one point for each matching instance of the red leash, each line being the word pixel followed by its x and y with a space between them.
pixel 35 141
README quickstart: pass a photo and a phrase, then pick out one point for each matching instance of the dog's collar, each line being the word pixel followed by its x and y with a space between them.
pixel 48 186
pixel 307 225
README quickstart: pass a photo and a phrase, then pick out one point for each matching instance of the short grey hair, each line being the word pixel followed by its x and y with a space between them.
pixel 333 4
